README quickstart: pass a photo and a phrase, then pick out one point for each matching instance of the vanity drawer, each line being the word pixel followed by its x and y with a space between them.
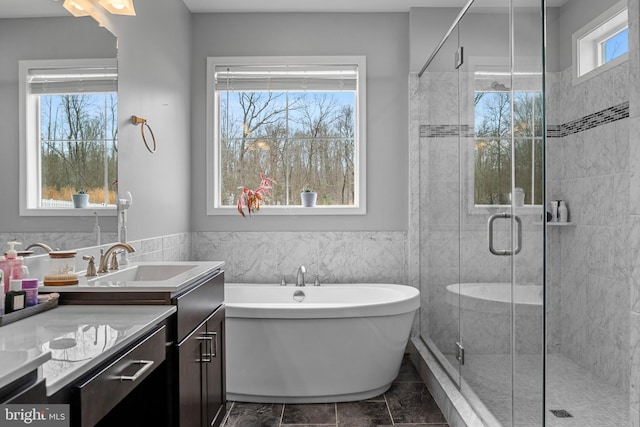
pixel 94 398
pixel 198 303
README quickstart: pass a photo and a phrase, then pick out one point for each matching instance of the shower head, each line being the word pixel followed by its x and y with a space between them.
pixel 499 87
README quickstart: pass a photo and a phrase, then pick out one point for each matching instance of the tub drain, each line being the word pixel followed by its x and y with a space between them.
pixel 298 296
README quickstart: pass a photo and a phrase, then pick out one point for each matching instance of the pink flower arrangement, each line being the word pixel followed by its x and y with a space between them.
pixel 251 199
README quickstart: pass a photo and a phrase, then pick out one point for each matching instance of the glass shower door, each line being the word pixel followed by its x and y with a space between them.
pixel 480 158
pixel 528 141
pixel 486 327
pixel 501 253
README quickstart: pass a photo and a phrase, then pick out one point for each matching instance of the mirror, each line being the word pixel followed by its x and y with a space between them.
pixel 34 30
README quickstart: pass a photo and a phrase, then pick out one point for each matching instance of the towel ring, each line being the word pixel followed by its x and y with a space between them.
pixel 140 121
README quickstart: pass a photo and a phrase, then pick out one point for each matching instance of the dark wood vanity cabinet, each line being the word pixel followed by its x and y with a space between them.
pixel 201 386
pixel 199 355
pixel 215 373
pixel 193 381
pixel 28 389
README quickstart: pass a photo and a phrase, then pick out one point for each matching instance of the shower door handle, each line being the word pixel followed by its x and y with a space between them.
pixel 505 252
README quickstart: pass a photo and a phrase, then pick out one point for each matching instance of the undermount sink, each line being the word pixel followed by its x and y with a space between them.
pixel 145 273
pixel 147 276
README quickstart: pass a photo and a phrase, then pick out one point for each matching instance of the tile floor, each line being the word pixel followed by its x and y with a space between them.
pixel 406 403
pixel 590 401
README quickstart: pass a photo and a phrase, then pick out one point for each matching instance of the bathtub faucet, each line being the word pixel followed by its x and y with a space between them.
pixel 300 276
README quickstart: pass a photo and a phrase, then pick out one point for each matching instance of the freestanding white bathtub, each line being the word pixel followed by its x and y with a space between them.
pixel 333 343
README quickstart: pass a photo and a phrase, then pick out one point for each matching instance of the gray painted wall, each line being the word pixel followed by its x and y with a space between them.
pixel 383 38
pixel 154 58
pixel 573 15
pixel 429 25
pixel 154 55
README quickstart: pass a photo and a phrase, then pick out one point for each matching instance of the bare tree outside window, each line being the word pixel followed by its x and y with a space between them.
pixel 494 132
pixel 299 139
pixel 78 147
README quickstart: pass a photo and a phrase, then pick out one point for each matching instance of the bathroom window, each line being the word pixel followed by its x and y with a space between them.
pixel 603 43
pixel 297 120
pixel 495 131
pixel 68 117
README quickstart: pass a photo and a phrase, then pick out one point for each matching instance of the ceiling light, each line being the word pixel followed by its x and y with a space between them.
pixel 96 8
pixel 78 7
pixel 118 7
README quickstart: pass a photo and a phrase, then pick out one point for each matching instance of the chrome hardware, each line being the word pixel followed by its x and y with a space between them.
pixel 460 353
pixel 91 268
pixel 298 296
pixel 300 276
pixel 39 245
pixel 147 365
pixel 101 262
pixel 505 252
pixel 113 265
pixel 213 342
pixel 104 256
pixel 459 57
pixel 206 355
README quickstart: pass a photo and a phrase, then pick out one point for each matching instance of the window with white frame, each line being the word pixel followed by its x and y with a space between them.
pixel 602 43
pixel 68 121
pixel 297 120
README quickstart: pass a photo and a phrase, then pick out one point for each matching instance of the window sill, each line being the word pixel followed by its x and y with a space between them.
pixel 320 210
pixel 600 69
pixel 70 212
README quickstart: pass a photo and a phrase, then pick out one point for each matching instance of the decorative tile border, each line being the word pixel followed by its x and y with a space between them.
pixel 608 115
pixel 444 131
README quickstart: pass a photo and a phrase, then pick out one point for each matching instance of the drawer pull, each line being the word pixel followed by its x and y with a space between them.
pixel 206 356
pixel 210 340
pixel 213 342
pixel 147 364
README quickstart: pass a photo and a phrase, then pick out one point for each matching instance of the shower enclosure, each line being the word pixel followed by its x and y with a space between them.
pixel 529 318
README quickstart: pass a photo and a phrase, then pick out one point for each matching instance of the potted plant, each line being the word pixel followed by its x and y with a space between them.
pixel 252 199
pixel 80 199
pixel 308 197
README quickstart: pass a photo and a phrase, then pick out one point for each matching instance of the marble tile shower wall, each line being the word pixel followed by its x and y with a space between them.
pixel 588 167
pixel 589 263
pixel 335 257
pixel 634 206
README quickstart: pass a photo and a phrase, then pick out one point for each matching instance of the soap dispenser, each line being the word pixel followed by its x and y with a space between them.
pixel 11 265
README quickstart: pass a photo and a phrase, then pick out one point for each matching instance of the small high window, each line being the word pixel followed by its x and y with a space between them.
pixel 603 43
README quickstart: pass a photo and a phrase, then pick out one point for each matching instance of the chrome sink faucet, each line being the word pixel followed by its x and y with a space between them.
pixel 39 245
pixel 104 257
pixel 300 276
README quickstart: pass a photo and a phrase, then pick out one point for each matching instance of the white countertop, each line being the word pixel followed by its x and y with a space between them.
pixel 112 281
pixel 69 341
